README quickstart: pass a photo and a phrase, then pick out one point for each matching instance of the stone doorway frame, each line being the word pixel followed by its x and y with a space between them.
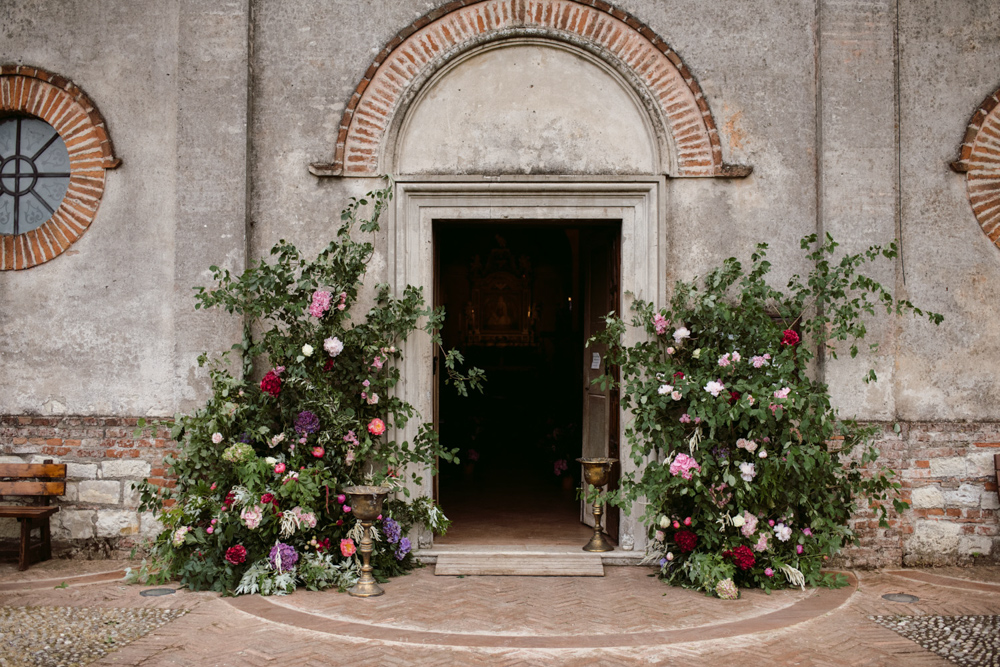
pixel 636 201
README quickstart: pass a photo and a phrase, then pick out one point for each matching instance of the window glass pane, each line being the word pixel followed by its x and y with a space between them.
pixel 8 134
pixel 6 214
pixel 34 135
pixel 52 190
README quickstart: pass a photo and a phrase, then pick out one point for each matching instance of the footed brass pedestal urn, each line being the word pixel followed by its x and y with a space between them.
pixel 366 504
pixel 597 472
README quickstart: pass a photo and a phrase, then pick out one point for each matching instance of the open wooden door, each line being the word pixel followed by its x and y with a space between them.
pixel 600 259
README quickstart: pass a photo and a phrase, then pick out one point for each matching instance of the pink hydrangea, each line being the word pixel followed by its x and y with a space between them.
pixel 683 465
pixel 320 303
pixel 749 524
pixel 660 324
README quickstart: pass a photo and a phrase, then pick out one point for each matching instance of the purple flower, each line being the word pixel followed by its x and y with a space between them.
pixel 283 557
pixel 306 422
pixel 391 530
pixel 403 548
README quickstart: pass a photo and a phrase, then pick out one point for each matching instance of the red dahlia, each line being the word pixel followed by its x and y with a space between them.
pixel 686 540
pixel 236 555
pixel 742 556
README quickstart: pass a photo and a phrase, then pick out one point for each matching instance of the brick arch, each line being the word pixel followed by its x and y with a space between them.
pixel 64 106
pixel 979 160
pixel 426 45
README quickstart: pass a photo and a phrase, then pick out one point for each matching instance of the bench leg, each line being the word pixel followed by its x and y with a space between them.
pixel 46 540
pixel 25 551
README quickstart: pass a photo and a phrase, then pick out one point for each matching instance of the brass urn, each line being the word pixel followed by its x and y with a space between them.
pixel 366 505
pixel 597 472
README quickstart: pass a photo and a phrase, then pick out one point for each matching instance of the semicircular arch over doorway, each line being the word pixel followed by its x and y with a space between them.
pixel 683 126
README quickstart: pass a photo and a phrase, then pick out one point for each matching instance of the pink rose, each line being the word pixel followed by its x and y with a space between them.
pixel 376 427
pixel 318 452
pixel 280 468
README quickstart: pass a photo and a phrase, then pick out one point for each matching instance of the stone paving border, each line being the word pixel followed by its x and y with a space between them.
pixel 822 602
pixel 942 580
pixel 79 580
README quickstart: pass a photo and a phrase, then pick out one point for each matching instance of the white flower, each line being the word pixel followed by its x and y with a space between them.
pixel 664 389
pixel 738 521
pixel 747 472
pixel 681 334
pixel 763 454
pixel 783 532
pixel 676 395
pixel 307 350
pixel 664 522
pixel 714 388
pixel 333 346
pixel 270 460
pixel 216 438
pixel 696 354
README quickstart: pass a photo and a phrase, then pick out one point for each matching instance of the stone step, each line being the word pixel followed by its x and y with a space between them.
pixel 520 564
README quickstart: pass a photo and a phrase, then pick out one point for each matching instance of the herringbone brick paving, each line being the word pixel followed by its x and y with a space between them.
pixel 216 633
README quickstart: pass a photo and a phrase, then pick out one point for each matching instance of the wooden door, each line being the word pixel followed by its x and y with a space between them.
pixel 600 263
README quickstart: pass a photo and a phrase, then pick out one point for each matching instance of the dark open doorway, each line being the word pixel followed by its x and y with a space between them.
pixel 516 297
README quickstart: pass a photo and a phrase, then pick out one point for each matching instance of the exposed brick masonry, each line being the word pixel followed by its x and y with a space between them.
pixel 979 158
pixel 946 470
pixel 428 43
pixel 103 460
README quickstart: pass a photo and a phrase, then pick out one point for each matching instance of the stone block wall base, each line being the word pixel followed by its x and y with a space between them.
pixel 945 469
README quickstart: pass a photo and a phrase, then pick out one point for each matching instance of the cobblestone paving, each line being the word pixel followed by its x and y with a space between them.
pixel 970 641
pixel 71 636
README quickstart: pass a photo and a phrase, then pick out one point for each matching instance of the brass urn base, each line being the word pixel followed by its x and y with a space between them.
pixel 599 542
pixel 366 589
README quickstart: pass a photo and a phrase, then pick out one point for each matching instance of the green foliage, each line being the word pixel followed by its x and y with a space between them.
pixel 313 410
pixel 729 429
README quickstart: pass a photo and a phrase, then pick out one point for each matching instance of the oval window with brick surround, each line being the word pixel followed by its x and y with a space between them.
pixel 54 150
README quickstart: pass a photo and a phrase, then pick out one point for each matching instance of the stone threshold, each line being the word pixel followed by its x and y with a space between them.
pixel 616 557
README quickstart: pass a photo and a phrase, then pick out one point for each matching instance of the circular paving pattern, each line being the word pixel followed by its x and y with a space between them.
pixel 625 608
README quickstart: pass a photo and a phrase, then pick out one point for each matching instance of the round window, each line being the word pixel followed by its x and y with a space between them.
pixel 34 173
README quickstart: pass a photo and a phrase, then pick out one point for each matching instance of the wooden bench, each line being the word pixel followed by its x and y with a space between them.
pixel 40 481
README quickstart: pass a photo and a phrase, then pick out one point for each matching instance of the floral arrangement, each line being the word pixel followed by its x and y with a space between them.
pixel 257 505
pixel 749 473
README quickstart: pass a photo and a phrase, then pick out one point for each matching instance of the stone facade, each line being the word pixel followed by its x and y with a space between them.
pixel 238 123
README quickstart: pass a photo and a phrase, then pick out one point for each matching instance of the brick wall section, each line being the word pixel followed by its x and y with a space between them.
pixel 81 126
pixel 946 469
pixel 103 459
pixel 948 476
pixel 427 44
pixel 979 157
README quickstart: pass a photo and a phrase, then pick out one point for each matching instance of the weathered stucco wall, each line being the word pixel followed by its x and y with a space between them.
pixel 848 111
